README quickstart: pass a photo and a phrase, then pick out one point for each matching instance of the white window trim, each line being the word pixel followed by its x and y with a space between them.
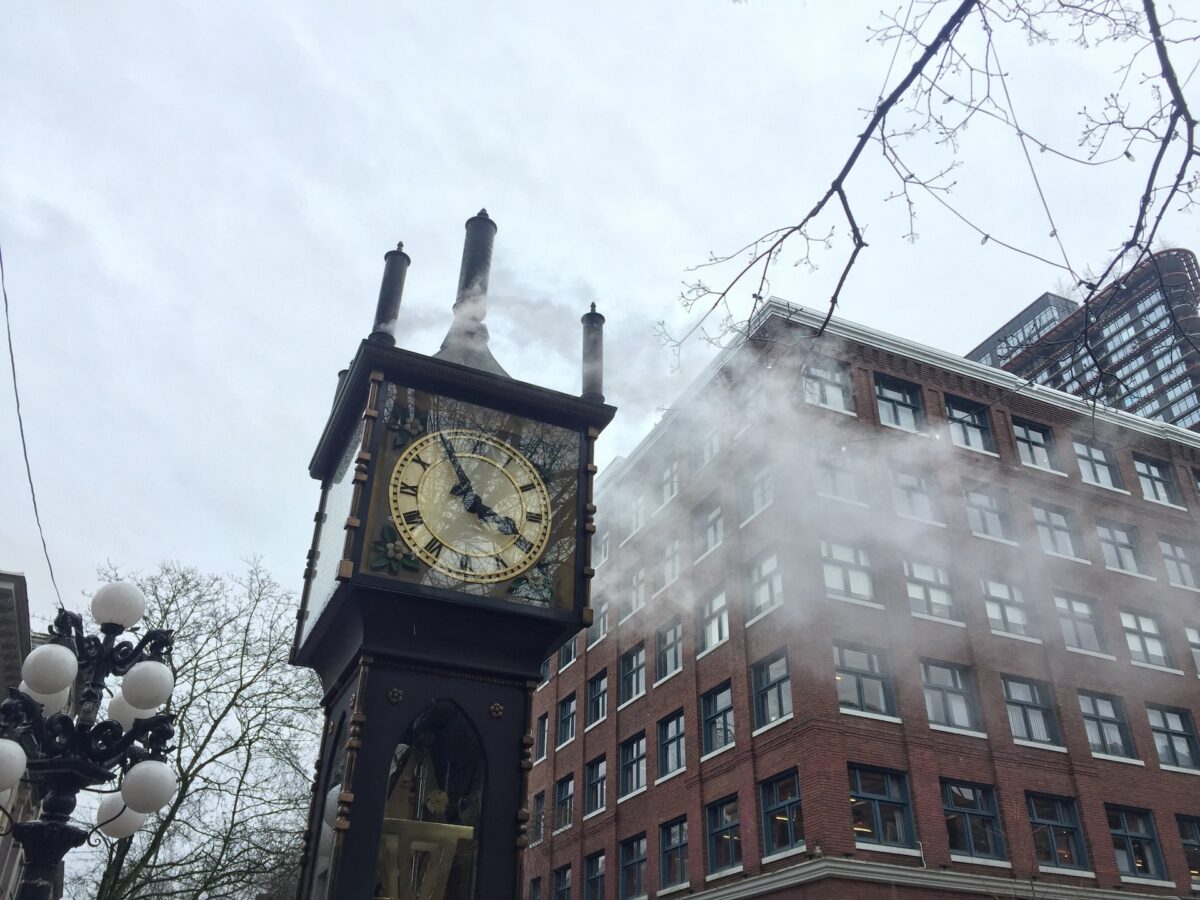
pixel 965 732
pixel 594 813
pixel 665 503
pixel 1154 882
pixel 603 718
pixel 1071 873
pixel 957 623
pixel 710 754
pixel 1104 487
pixel 1074 559
pixel 670 775
pixel 754 515
pixel 980 861
pixel 783 854
pixel 630 615
pixel 636 697
pixel 864 714
pixel 979 450
pixel 629 537
pixel 568 665
pixel 1016 637
pixel 1036 745
pixel 664 587
pixel 1085 652
pixel 561 830
pixel 836 409
pixel 598 640
pixel 564 743
pixel 757 731
pixel 1184 587
pixel 1128 760
pixel 885 848
pixel 703 556
pixel 674 889
pixel 847 500
pixel 632 793
pixel 1165 503
pixel 903 430
pixel 1131 574
pixel 923 521
pixel 705 652
pixel 542 685
pixel 667 677
pixel 870 604
pixel 1179 769
pixel 766 612
pixel 997 540
pixel 1146 665
pixel 732 870
pixel 1044 469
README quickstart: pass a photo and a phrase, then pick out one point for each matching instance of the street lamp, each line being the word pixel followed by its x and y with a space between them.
pixel 65 752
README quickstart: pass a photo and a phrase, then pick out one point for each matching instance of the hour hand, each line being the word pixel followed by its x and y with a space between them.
pixel 504 524
pixel 464 483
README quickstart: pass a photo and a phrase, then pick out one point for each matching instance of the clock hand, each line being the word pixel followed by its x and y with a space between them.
pixel 503 523
pixel 463 489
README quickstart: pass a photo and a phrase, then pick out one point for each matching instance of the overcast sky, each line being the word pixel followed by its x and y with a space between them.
pixel 195 200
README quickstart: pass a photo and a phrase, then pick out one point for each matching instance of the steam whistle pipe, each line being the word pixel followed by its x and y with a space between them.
pixel 395 268
pixel 593 356
pixel 476 261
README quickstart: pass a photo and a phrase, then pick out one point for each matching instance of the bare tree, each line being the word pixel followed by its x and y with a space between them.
pixel 955 77
pixel 246 725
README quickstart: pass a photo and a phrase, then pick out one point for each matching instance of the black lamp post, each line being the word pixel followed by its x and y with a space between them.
pixel 65 752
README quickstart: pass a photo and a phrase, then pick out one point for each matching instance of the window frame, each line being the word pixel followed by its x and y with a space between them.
pixel 1130 837
pixel 668 648
pixel 900 799
pixel 537 824
pixel 771 804
pixel 568 652
pixel 1024 711
pixel 718 721
pixel 825 373
pixel 838 471
pixel 633 862
pixel 1097 463
pixel 1185 732
pixel 568 708
pixel 593 876
pixel 672 744
pixel 560 883
pixel 914 494
pixel 986 812
pixel 597 698
pixel 964 687
pixel 1029 451
pixel 1181 560
pixel 1065 606
pixel 1189 837
pixel 564 802
pixel 926 588
pixel 1065 825
pixel 967 415
pixel 760 575
pixel 599 627
pixel 1100 726
pixel 632 776
pixel 1053 534
pixel 847 569
pixel 1145 628
pixel 714 621
pixel 708 526
pixel 772 690
pixel 756 489
pixel 673 852
pixel 991 520
pixel 541 737
pixel 876 672
pixel 595 785
pixel 1005 606
pixel 632 668
pixel 897 395
pixel 1157 480
pixel 720 826
pixel 1120 543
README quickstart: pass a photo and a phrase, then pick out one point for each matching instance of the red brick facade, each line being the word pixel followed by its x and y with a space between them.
pixel 769 423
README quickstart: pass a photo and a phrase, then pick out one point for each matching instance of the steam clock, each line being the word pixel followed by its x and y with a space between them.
pixel 450 557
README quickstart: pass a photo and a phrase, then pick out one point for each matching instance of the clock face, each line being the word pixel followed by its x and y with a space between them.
pixel 470 505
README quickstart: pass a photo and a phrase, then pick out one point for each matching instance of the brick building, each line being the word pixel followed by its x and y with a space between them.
pixel 16 641
pixel 872 620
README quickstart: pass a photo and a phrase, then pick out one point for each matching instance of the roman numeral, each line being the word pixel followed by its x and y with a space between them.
pixel 420 462
pixel 434 547
pixel 410 489
pixel 479 447
pixel 523 545
pixel 412 517
pixel 533 517
pixel 499 561
pixel 525 488
pixel 464 563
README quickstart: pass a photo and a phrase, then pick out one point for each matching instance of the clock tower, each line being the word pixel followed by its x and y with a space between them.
pixel 450 557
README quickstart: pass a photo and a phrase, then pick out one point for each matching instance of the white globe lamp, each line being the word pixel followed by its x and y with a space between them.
pixel 148 786
pixel 12 763
pixel 331 804
pixel 148 685
pixel 118 603
pixel 120 710
pixel 51 703
pixel 115 819
pixel 50 668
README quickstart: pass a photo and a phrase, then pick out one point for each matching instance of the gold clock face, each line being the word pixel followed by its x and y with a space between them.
pixel 470 506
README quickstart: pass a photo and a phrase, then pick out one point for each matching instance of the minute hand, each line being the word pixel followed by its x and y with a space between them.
pixel 464 483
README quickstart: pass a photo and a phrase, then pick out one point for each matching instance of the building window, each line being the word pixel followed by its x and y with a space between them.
pixel 783 818
pixel 972 823
pixel 545 671
pixel 593 877
pixel 603 548
pixel 541 736
pixel 672 850
pixel 566 720
pixel 862 681
pixel 1035 444
pixel 668 564
pixel 1120 546
pixel 1057 530
pixel 1182 561
pixel 847 571
pixel 707 527
pixel 671 753
pixel 599 626
pixel 1157 480
pixel 1097 465
pixel 1135 842
pixel 637 515
pixel 1174 736
pixel 1005 607
pixel 1030 711
pixel 1104 720
pixel 724 835
pixel 987 511
pixel 597 690
pixel 1057 839
pixel 669 485
pixel 566 653
pixel 879 807
pixel 538 825
pixel 827 383
pixel 710 446
pixel 535 888
pixel 839 477
pixel 1144 639
pixel 757 490
pixel 766 585
pixel 1080 627
pixel 714 624
pixel 670 649
pixel 1189 833
pixel 596 778
pixel 633 868
pixel 633 764
pixel 717 708
pixel 633 674
pixel 772 690
pixel 969 426
pixel 1193 639
pixel 914 496
pixel 929 589
pixel 899 403
pixel 635 592
pixel 562 883
pixel 564 802
pixel 949 695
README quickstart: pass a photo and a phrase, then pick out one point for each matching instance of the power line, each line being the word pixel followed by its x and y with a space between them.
pixel 12 359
